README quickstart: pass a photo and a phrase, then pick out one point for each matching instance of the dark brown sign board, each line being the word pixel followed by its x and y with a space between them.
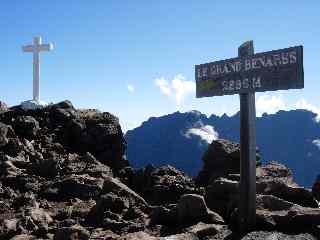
pixel 267 71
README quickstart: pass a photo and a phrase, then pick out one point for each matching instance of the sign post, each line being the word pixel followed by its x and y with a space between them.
pixel 247 203
pixel 249 73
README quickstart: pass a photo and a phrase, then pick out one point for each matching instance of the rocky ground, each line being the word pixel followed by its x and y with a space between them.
pixel 63 175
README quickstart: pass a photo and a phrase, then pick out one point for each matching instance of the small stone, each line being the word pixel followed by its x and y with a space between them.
pixel 76 232
pixel 3 135
pixel 23 237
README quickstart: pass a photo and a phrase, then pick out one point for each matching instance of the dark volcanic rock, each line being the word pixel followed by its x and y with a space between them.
pixel 275 171
pixel 79 186
pixel 277 214
pixel 192 208
pixel 222 195
pixel 163 185
pixel 52 169
pixel 26 126
pixel 74 232
pixel 277 235
pixel 63 175
pixel 316 188
pixel 3 135
pixel 221 158
pixel 288 192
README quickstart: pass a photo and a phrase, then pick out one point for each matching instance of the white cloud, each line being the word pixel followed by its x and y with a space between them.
pixel 303 104
pixel 178 87
pixel 316 142
pixel 206 133
pixel 164 86
pixel 269 104
pixel 130 88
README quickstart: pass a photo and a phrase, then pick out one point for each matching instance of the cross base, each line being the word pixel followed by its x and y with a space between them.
pixel 33 105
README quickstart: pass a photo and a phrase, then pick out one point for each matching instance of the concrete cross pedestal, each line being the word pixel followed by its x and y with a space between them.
pixel 36 48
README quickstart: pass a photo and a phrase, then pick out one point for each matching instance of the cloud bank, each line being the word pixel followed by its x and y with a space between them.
pixel 206 133
pixel 303 104
pixel 269 104
pixel 178 87
pixel 273 103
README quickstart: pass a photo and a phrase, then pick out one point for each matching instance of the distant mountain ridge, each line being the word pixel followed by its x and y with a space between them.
pixel 180 139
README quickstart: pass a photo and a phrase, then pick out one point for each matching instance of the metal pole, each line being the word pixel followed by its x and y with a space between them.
pixel 247 203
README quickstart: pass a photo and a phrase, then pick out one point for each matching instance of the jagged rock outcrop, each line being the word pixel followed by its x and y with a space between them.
pixel 275 214
pixel 222 195
pixel 61 126
pixel 281 202
pixel 221 159
pixel 161 185
pixel 63 175
pixel 56 166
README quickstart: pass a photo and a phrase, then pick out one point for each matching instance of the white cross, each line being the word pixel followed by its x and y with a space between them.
pixel 36 48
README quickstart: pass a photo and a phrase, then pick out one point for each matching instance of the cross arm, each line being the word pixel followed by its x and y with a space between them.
pixel 28 48
pixel 46 47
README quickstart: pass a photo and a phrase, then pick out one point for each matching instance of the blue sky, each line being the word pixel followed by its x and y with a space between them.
pixel 136 58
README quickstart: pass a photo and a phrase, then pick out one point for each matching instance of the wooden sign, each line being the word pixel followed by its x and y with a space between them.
pixel 249 73
pixel 268 71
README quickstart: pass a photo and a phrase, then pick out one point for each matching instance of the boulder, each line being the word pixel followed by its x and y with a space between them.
pixel 62 112
pixel 108 205
pixel 35 220
pixel 14 147
pixel 164 215
pixel 204 230
pixel 288 192
pixel 76 232
pixel 221 158
pixel 8 228
pixel 48 168
pixel 87 164
pixel 163 185
pixel 26 126
pixel 12 166
pixel 275 171
pixel 222 196
pixel 119 208
pixel 113 185
pixel 277 214
pixel 79 186
pixel 192 208
pixel 100 134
